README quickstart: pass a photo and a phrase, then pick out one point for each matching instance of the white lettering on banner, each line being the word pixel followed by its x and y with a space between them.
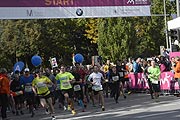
pixel 166 79
pixel 141 1
pixel 137 2
pixel 176 84
pixel 140 80
pixel 130 2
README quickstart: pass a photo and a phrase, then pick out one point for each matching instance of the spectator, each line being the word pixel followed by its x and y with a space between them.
pixel 4 92
pixel 165 53
pixel 137 66
pixel 177 70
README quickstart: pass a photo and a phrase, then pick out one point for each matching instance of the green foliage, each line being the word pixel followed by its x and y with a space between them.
pixel 21 39
pixel 120 38
pixel 113 38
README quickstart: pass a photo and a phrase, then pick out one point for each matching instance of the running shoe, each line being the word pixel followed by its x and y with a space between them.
pixel 103 108
pixel 53 118
pixel 129 92
pixel 69 107
pixel 73 112
pixel 47 112
pixel 17 113
pixel 65 108
pixel 21 112
pixel 32 115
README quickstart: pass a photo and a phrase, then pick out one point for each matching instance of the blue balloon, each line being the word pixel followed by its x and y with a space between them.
pixel 78 58
pixel 36 60
pixel 18 66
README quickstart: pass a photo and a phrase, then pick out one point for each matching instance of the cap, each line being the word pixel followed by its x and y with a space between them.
pixel 26 70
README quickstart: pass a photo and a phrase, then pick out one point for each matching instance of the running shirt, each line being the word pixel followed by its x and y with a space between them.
pixel 63 80
pixel 76 86
pixel 96 78
pixel 26 82
pixel 41 84
pixel 15 86
pixel 114 77
pixel 154 73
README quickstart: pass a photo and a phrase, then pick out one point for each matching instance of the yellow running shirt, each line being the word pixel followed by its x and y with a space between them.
pixel 41 85
pixel 63 80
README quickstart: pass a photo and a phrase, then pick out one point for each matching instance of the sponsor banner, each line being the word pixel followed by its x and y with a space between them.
pixel 72 3
pixel 167 82
pixel 138 81
pixel 44 9
pixel 174 54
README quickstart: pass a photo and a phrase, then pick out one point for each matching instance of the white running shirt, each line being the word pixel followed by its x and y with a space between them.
pixel 97 78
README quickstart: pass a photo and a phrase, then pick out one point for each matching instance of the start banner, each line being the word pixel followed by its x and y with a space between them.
pixel 45 9
pixel 167 82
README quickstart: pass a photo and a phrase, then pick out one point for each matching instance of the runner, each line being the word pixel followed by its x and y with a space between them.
pixel 78 91
pixel 26 83
pixel 40 88
pixel 51 86
pixel 64 80
pixel 154 73
pixel 115 80
pixel 82 72
pixel 17 93
pixel 121 69
pixel 96 79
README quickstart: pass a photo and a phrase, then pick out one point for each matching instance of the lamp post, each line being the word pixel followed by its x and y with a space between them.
pixel 177 7
pixel 165 20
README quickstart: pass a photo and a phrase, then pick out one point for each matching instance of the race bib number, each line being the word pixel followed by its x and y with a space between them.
pixel 115 78
pixel 49 86
pixel 121 74
pixel 77 88
pixel 28 89
pixel 155 81
pixel 41 85
pixel 66 84
pixel 97 88
pixel 89 86
pixel 58 87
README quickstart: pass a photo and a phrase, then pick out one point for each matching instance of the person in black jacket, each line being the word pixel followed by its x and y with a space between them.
pixel 115 78
pixel 77 86
pixel 17 92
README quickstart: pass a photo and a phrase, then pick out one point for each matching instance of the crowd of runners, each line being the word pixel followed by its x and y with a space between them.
pixel 86 85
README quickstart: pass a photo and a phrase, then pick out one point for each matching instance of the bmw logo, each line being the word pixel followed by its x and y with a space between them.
pixel 79 12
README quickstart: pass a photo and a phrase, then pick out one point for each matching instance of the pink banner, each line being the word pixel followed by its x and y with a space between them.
pixel 174 54
pixel 167 82
pixel 138 81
